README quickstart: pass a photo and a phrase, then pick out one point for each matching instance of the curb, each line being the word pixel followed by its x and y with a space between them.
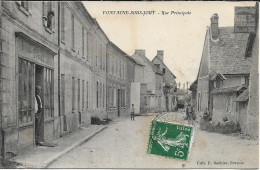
pixel 47 163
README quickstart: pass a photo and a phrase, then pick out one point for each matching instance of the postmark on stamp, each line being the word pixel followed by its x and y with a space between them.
pixel 170 139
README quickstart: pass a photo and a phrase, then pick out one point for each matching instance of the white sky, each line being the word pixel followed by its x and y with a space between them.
pixel 181 37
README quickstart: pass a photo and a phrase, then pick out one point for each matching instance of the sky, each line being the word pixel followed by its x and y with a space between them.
pixel 181 37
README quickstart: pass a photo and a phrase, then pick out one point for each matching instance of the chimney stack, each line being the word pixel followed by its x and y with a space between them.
pixel 140 52
pixel 214 26
pixel 160 54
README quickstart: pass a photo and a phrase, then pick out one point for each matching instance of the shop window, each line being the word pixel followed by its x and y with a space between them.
pixel 48 95
pixel 26 92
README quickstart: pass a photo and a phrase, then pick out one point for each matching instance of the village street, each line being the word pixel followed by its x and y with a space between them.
pixel 124 145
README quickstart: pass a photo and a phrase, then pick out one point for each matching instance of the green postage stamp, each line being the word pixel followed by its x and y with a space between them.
pixel 170 139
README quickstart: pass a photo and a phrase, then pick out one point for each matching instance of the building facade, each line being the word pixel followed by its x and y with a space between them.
pixel 169 83
pixel 224 74
pixel 61 48
pixel 120 69
pixel 82 67
pixel 29 48
pixel 150 79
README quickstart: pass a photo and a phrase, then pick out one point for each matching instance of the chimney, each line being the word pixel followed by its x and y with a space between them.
pixel 160 54
pixel 214 26
pixel 140 52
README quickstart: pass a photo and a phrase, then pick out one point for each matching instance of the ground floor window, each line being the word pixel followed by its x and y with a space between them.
pixel 48 94
pixel 26 92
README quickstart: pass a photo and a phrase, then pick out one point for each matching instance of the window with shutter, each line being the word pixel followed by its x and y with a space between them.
pixel 48 16
pixel 62 22
pixel 25 7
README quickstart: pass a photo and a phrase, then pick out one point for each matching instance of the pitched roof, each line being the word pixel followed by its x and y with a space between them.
pixel 155 69
pixel 164 65
pixel 227 56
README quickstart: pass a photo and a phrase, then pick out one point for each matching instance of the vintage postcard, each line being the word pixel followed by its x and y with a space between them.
pixel 115 84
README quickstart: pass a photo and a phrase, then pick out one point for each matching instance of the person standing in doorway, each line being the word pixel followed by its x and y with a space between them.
pixel 38 114
pixel 133 112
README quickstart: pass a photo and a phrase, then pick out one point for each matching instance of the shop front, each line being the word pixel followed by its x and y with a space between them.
pixel 35 68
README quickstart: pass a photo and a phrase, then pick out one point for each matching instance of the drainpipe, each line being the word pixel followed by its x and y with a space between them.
pixel 2 121
pixel 59 104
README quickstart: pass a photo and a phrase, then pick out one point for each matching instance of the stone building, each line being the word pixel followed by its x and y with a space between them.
pixel 169 83
pixel 150 80
pixel 60 47
pixel 29 53
pixel 120 74
pixel 193 89
pixel 82 67
pixel 252 121
pixel 223 73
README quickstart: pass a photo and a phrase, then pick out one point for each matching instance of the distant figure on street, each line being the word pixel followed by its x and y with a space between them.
pixel 38 115
pixel 206 114
pixel 189 114
pixel 133 112
pixel 145 108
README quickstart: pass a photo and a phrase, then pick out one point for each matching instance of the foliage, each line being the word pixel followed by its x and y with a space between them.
pixel 224 128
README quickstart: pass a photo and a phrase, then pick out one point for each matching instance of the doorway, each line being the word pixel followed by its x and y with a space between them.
pixel 39 116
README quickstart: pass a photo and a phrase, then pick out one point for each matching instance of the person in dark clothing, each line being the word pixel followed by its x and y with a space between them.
pixel 133 112
pixel 38 115
pixel 189 114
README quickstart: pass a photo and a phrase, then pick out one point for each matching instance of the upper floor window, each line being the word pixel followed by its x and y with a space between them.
pixel 48 16
pixel 163 70
pixel 24 6
pixel 83 42
pixel 62 21
pixel 72 32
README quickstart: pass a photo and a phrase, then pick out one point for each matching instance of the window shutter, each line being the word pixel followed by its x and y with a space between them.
pixel 53 7
pixel 44 14
pixel 18 2
pixel 30 6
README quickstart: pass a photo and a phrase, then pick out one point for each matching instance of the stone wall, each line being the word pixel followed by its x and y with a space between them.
pixel 252 128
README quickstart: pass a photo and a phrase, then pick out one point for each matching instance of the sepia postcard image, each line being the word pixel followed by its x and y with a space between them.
pixel 115 84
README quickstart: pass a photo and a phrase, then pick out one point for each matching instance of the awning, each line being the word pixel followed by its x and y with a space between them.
pixel 218 75
pixel 243 96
